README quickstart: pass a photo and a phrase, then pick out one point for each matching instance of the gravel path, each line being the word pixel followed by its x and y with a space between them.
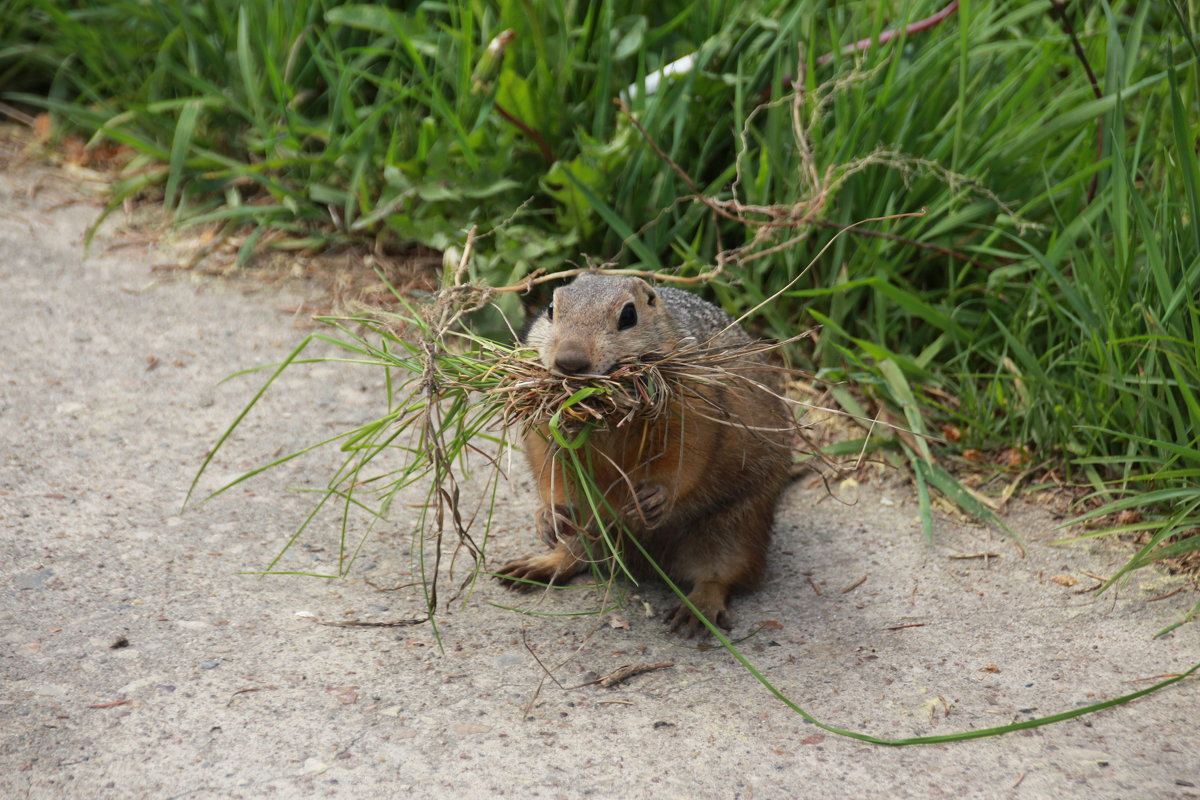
pixel 137 661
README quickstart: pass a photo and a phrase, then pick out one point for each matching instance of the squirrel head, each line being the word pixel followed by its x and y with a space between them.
pixel 596 321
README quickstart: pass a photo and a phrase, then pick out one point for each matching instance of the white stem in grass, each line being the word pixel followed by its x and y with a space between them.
pixel 678 67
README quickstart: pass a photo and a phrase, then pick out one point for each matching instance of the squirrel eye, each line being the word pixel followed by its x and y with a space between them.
pixel 550 310
pixel 628 317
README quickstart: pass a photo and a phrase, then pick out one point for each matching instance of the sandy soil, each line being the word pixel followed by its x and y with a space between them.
pixel 138 662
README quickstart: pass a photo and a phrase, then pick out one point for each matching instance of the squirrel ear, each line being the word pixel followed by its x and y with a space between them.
pixel 648 292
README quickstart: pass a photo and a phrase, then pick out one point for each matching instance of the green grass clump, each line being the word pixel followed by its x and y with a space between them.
pixel 1046 302
pixel 451 393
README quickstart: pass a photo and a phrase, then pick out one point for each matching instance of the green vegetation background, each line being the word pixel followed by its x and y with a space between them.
pixel 1047 301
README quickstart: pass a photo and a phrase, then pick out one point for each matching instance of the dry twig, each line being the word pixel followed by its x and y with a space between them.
pixel 628 671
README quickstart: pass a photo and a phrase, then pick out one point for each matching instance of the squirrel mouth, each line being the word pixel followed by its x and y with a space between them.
pixel 611 370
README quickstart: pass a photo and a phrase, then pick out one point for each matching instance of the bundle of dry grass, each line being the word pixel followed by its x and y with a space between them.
pixel 643 389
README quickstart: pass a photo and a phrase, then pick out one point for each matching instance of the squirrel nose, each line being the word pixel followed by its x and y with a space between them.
pixel 572 362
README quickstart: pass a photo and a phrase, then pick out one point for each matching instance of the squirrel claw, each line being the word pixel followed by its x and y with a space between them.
pixel 521 573
pixel 554 523
pixel 683 622
pixel 648 505
pixel 524 574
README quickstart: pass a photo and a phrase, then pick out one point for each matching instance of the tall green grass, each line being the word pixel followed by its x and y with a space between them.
pixel 1047 299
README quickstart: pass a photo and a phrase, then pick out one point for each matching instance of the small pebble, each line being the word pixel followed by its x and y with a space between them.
pixel 213 664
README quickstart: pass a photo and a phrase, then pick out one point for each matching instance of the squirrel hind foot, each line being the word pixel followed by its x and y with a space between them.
pixel 709 598
pixel 529 572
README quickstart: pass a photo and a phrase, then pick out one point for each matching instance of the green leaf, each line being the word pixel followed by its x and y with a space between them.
pixel 181 144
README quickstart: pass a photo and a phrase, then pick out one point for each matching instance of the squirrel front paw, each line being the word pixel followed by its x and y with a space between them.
pixel 554 524
pixel 649 504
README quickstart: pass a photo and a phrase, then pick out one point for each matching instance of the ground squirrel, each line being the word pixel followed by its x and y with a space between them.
pixel 696 486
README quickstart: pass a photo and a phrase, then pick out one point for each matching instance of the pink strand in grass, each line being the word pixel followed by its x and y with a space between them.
pixel 888 35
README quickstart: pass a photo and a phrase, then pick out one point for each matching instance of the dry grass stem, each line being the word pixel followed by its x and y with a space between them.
pixel 529 394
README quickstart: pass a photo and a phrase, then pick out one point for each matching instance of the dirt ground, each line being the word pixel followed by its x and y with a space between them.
pixel 138 662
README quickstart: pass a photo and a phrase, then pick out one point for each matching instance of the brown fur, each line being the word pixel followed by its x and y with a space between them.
pixel 696 487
